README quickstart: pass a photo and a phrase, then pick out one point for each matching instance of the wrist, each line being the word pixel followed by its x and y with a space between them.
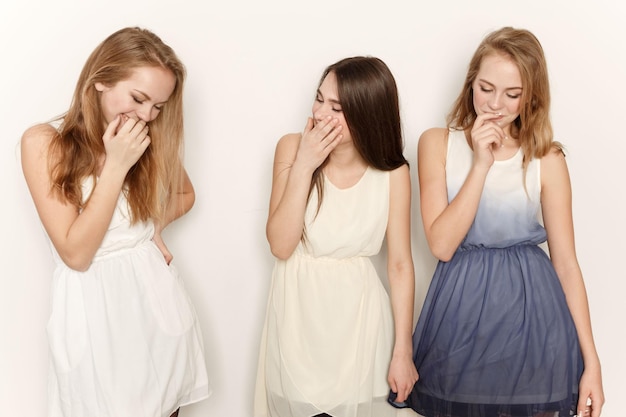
pixel 301 169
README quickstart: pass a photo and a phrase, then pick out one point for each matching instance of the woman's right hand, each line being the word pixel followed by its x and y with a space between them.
pixel 318 141
pixel 125 140
pixel 487 136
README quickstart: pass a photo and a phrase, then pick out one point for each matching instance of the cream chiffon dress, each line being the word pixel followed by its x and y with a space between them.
pixel 328 334
pixel 124 338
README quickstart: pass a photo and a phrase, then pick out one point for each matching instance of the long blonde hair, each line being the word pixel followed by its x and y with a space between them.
pixel 532 127
pixel 74 152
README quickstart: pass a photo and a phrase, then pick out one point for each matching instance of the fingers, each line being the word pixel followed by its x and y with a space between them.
pixel 112 127
pixel 402 391
pixel 319 139
pixel 327 128
pixel 488 123
pixel 125 140
pixel 487 136
pixel 402 385
pixel 585 407
pixel 392 383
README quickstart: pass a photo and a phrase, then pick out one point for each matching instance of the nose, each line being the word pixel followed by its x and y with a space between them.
pixel 147 113
pixel 495 102
pixel 320 111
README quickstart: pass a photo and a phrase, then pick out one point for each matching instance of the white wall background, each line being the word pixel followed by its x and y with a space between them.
pixel 253 67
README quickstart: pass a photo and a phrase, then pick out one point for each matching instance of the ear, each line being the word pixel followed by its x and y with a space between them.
pixel 100 87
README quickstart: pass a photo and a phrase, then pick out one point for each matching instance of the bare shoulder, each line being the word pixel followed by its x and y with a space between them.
pixel 554 160
pixel 402 173
pixel 433 142
pixel 435 137
pixel 289 140
pixel 36 138
pixel 554 172
pixel 434 134
pixel 287 146
pixel 400 182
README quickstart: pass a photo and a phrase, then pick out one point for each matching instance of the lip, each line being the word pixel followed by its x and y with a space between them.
pixel 497 115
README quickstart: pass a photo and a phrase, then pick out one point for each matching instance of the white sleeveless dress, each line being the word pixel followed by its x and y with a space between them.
pixel 124 338
pixel 328 334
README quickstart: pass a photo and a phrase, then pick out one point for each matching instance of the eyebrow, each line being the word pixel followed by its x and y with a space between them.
pixel 491 84
pixel 319 93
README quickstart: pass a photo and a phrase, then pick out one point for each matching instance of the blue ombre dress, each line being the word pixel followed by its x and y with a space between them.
pixel 495 335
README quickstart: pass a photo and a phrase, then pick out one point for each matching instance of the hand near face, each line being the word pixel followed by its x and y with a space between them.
pixel 487 136
pixel 125 140
pixel 318 141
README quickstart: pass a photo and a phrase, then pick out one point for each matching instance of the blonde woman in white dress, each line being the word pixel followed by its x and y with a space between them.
pixel 106 179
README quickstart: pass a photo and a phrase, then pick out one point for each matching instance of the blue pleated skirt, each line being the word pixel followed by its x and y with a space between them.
pixel 495 337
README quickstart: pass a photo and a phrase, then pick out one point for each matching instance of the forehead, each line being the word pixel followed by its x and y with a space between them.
pixel 157 82
pixel 329 85
pixel 499 68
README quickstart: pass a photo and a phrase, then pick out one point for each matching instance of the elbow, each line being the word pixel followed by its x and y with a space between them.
pixel 280 247
pixel 188 200
pixel 77 262
pixel 442 252
pixel 282 244
pixel 79 265
pixel 191 200
pixel 281 252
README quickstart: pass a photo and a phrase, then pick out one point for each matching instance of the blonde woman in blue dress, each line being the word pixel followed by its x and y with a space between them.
pixel 333 343
pixel 106 179
pixel 505 328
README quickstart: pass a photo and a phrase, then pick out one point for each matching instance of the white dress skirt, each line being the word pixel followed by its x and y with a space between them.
pixel 328 335
pixel 124 337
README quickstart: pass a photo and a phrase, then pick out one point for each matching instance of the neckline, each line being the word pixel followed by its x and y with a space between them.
pixel 511 158
pixel 350 187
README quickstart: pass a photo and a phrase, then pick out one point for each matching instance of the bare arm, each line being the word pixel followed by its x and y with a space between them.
pixel 445 225
pixel 556 204
pixel 75 234
pixel 295 160
pixel 181 203
pixel 400 270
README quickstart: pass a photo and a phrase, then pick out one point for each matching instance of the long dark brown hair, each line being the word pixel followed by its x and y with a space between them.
pixel 369 100
pixel 76 149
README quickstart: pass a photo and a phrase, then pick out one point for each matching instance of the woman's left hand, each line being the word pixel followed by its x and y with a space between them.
pixel 158 240
pixel 402 376
pixel 590 394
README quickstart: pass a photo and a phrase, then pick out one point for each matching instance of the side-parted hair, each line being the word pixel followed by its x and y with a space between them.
pixel 532 127
pixel 369 101
pixel 156 177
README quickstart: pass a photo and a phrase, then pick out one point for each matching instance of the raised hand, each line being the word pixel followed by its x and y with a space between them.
pixel 318 141
pixel 125 140
pixel 487 136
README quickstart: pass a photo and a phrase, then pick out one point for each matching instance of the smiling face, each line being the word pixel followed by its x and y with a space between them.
pixel 140 96
pixel 497 89
pixel 327 103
